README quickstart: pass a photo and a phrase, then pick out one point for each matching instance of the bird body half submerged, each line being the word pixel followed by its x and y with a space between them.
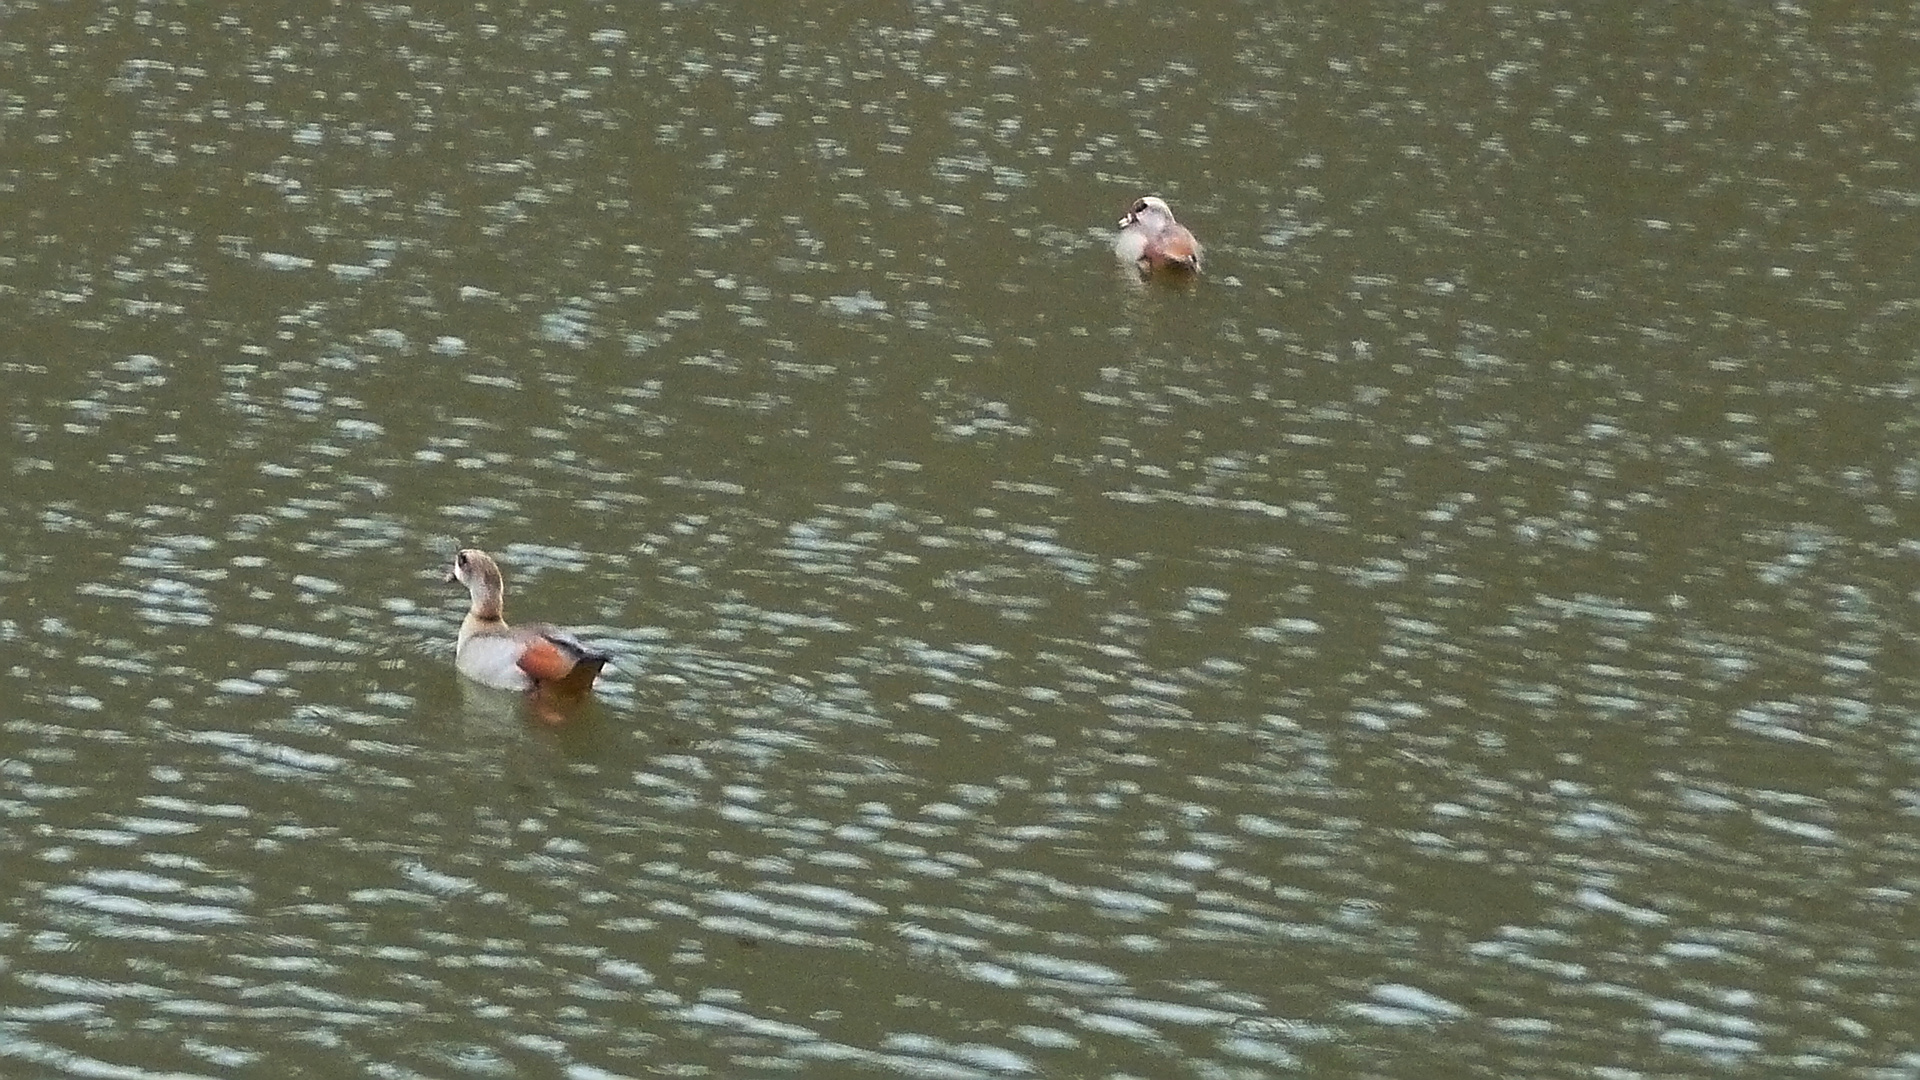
pixel 1152 240
pixel 532 657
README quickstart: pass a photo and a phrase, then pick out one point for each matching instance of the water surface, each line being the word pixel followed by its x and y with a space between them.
pixel 1462 634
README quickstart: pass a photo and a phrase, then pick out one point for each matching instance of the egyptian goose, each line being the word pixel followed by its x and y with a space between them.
pixel 1151 240
pixel 531 657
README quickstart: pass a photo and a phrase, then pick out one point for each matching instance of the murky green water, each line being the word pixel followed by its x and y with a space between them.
pixel 1466 634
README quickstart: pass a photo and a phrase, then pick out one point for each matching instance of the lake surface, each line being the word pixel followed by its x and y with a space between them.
pixel 1468 632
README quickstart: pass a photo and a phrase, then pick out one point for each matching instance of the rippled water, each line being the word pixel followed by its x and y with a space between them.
pixel 1466 633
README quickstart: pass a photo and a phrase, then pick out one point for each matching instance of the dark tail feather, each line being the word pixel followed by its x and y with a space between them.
pixel 586 665
pixel 580 679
